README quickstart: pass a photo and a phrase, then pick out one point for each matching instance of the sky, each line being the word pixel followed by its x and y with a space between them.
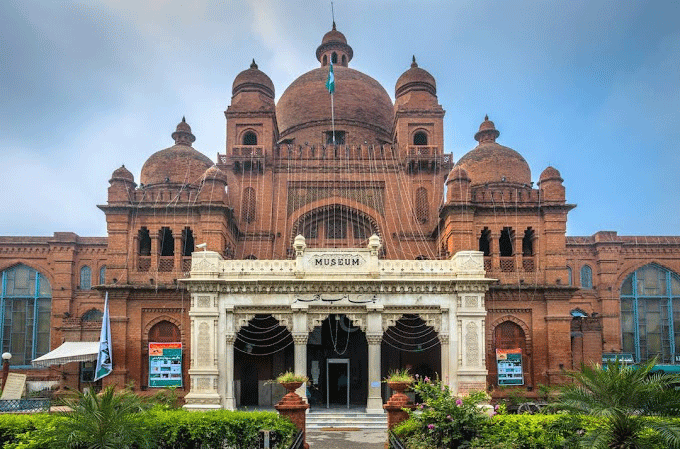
pixel 591 88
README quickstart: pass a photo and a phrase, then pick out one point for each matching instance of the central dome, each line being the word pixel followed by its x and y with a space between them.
pixel 359 101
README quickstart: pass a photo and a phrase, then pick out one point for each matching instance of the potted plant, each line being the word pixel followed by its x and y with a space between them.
pixel 291 381
pixel 399 380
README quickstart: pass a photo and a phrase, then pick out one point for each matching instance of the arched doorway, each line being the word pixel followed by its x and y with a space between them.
pixel 337 363
pixel 509 336
pixel 410 344
pixel 165 355
pixel 263 349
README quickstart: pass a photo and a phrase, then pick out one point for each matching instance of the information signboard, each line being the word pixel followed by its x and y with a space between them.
pixel 509 363
pixel 165 365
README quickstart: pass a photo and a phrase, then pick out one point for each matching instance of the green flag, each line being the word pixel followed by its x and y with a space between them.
pixel 330 82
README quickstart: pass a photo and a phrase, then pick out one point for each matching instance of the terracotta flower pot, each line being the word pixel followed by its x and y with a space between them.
pixel 291 386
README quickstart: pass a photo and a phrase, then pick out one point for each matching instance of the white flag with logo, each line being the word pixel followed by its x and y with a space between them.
pixel 105 357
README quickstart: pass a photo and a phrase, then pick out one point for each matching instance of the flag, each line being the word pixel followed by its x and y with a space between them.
pixel 104 359
pixel 330 82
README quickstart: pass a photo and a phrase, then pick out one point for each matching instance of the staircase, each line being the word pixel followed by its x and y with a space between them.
pixel 343 418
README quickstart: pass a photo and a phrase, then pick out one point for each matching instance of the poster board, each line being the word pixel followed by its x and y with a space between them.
pixel 165 365
pixel 509 364
pixel 14 386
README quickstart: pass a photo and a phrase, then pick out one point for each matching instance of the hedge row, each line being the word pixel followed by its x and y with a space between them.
pixel 171 429
pixel 555 431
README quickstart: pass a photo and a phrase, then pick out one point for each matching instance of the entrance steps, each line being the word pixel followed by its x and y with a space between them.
pixel 340 418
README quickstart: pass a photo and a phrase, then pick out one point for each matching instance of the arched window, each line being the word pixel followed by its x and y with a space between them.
pixel 586 277
pixel 344 60
pixel 325 60
pixel 26 305
pixel 505 242
pixel 578 313
pixel 187 242
pixel 250 138
pixel 144 242
pixel 85 278
pixel 570 279
pixel 167 241
pixel 102 275
pixel 92 315
pixel 509 335
pixel 650 314
pixel 248 205
pixel 165 332
pixel 420 138
pixel 334 58
pixel 528 242
pixel 485 242
pixel 422 205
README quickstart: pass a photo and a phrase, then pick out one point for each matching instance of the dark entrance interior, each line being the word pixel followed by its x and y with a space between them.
pixel 337 339
pixel 338 382
pixel 263 349
pixel 410 344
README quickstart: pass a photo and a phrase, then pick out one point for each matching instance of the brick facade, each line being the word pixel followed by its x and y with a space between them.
pixel 390 176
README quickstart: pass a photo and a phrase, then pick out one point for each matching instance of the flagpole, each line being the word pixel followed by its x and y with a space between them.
pixel 333 117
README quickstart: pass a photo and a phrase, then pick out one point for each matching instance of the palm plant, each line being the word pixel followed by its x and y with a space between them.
pixel 634 404
pixel 106 420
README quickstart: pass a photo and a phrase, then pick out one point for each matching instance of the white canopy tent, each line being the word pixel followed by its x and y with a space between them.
pixel 69 351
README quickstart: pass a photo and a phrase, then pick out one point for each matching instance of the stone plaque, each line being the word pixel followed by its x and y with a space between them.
pixel 14 386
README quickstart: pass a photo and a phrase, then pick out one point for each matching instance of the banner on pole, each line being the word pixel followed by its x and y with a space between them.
pixel 165 365
pixel 509 363
pixel 105 356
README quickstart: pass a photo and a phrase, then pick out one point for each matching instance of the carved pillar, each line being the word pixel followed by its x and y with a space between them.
pixel 300 342
pixel 445 359
pixel 374 402
pixel 229 400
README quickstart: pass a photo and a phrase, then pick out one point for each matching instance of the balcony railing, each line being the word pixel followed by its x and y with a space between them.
pixel 144 263
pixel 507 264
pixel 166 264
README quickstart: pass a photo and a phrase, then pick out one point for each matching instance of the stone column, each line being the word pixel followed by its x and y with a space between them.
pixel 374 403
pixel 300 342
pixel 229 400
pixel 445 359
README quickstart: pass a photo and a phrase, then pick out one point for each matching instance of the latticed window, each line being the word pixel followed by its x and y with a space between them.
pixel 25 308
pixel 422 206
pixel 420 138
pixel 586 277
pixel 102 275
pixel 248 205
pixel 250 138
pixel 650 314
pixel 336 228
pixel 85 278
pixel 164 332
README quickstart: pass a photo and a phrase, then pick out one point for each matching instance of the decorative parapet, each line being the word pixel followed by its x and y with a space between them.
pixel 343 264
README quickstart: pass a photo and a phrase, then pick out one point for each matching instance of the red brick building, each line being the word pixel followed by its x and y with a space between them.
pixel 338 175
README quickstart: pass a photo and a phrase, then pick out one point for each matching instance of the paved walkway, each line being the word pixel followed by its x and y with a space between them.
pixel 341 439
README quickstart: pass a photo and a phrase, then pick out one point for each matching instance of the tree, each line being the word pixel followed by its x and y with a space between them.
pixel 108 420
pixel 634 404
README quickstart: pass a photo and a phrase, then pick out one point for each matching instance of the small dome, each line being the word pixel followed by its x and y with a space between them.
pixel 458 173
pixel 415 78
pixel 334 36
pixel 216 174
pixel 334 42
pixel 122 174
pixel 253 80
pixel 179 164
pixel 549 174
pixel 490 162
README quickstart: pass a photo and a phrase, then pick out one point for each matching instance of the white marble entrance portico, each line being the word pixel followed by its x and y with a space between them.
pixel 373 293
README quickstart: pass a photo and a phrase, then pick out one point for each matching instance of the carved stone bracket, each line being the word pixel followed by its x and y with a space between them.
pixel 374 339
pixel 317 318
pixel 431 318
pixel 243 318
pixel 443 339
pixel 230 339
pixel 300 338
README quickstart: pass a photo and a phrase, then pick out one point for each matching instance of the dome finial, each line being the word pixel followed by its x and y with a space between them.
pixel 182 134
pixel 487 131
pixel 413 62
pixel 334 29
pixel 253 65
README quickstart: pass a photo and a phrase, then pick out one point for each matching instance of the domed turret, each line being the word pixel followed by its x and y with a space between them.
pixel 253 80
pixel 214 183
pixel 457 185
pixel 214 173
pixel 334 48
pixel 415 79
pixel 551 186
pixel 122 174
pixel 490 162
pixel 179 164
